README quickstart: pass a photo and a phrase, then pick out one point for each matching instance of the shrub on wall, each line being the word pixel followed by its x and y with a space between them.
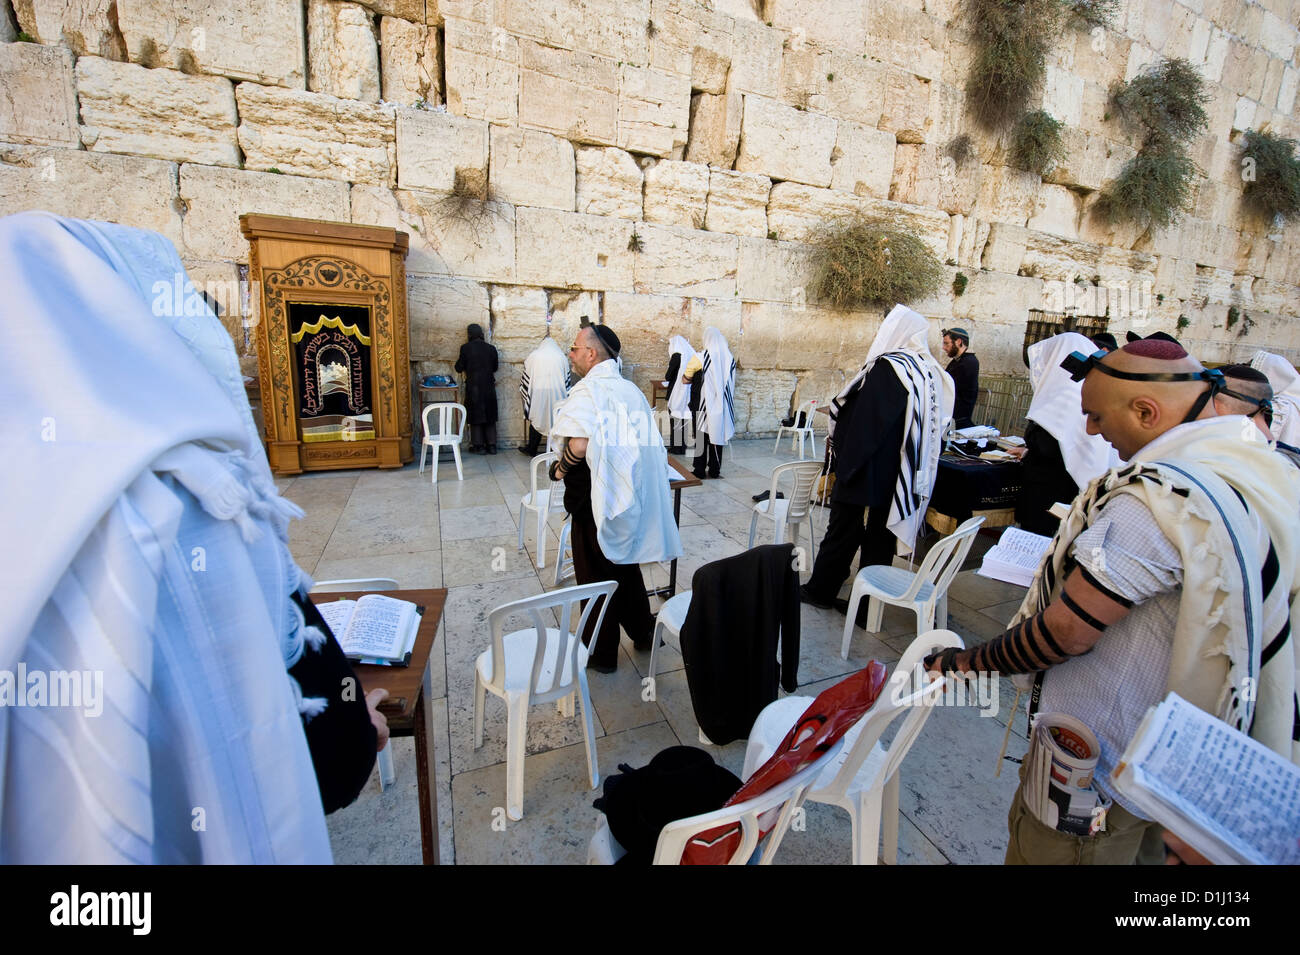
pixel 1093 13
pixel 1272 174
pixel 1012 38
pixel 1152 189
pixel 1036 143
pixel 862 262
pixel 1166 100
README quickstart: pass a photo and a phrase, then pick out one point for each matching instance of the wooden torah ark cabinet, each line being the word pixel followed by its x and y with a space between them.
pixel 333 348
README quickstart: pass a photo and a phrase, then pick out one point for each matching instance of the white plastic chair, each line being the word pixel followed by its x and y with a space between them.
pixel 541 500
pixel 668 626
pixel 448 434
pixel 564 560
pixel 786 797
pixel 796 431
pixel 925 592
pixel 864 779
pixel 540 664
pixel 794 510
pixel 387 773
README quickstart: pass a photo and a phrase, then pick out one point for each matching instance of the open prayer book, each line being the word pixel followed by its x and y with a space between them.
pixel 1227 796
pixel 374 628
pixel 1015 557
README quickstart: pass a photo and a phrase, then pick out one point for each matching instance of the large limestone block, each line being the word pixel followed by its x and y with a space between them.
pixel 644 323
pixel 831 82
pixel 609 182
pixel 999 299
pixel 1004 250
pixel 692 40
pixel 72 182
pixel 39 103
pixel 1089 160
pixel 570 250
pixel 482 66
pixel 837 23
pixel 1102 58
pixel 756 59
pixel 568 308
pixel 574 95
pixel 214 199
pixel 676 193
pixel 715 128
pixel 786 143
pixel 1052 258
pixel 776 272
pixel 798 213
pixel 1278 37
pixel 311 134
pixel 680 261
pixel 410 62
pixel 910 38
pixel 1006 195
pixel 529 168
pixel 257 40
pixel 435 149
pixel 1056 210
pixel 906 110
pixel 519 322
pixel 158 113
pixel 342 56
pixel 86 27
pixel 916 174
pixel 654 110
pixel 439 307
pixel 1286 93
pixel 737 203
pixel 1063 96
pixel 450 235
pixel 613 28
pixel 930 225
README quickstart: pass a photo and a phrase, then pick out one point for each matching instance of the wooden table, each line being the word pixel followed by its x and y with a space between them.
pixel 686 478
pixel 408 708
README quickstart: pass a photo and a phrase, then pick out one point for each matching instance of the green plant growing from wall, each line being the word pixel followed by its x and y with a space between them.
pixel 1271 171
pixel 1234 314
pixel 1092 13
pixel 1166 100
pixel 959 282
pixel 1036 144
pixel 1182 323
pixel 1152 189
pixel 862 262
pixel 1011 40
pixel 960 149
pixel 635 243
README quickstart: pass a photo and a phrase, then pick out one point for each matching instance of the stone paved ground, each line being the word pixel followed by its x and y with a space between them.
pixel 398 524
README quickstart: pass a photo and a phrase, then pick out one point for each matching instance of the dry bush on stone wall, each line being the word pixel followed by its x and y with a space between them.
pixel 863 262
pixel 1272 174
pixel 1166 100
pixel 1152 189
pixel 1036 144
pixel 1011 39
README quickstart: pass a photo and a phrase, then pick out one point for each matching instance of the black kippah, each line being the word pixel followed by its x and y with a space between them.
pixel 1244 373
pixel 607 338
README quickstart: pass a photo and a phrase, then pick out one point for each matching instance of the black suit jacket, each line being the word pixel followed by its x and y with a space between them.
pixel 965 371
pixel 739 607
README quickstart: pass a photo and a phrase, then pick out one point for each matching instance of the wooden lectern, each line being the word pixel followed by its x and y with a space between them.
pixel 332 343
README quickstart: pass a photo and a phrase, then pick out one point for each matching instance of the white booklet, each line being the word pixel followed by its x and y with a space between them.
pixel 374 628
pixel 1227 796
pixel 1015 557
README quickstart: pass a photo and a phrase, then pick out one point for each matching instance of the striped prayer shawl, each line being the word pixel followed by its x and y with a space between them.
pixel 723 423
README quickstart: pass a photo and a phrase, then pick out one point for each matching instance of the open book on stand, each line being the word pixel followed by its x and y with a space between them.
pixel 374 628
pixel 1015 557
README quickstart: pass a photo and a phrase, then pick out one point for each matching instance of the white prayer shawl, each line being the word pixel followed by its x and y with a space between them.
pixel 152 554
pixel 1233 653
pixel 679 403
pixel 902 341
pixel 1057 407
pixel 717 415
pixel 630 499
pixel 544 384
pixel 1286 396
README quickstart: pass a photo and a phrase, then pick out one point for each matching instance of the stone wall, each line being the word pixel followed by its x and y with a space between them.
pixel 660 164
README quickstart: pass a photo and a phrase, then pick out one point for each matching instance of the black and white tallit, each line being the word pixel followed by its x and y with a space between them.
pixel 717 414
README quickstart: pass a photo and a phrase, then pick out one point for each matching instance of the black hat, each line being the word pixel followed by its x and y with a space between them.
pixel 1105 340
pixel 608 339
pixel 1158 336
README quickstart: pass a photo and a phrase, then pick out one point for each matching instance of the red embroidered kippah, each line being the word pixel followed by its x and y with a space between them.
pixel 1155 348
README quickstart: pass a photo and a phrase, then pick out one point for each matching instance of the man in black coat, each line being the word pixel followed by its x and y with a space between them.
pixel 478 360
pixel 965 371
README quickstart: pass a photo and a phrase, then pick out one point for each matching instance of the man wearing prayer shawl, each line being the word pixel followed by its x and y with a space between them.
pixel 712 376
pixel 1285 381
pixel 544 384
pixel 148 554
pixel 1177 571
pixel 680 354
pixel 886 432
pixel 615 473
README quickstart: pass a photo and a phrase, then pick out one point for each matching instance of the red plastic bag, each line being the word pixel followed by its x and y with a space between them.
pixel 827 718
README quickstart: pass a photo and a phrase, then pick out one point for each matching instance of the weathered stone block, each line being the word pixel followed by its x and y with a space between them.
pixel 434 148
pixel 994 298
pixel 1286 94
pixel 1056 210
pixel 675 193
pixel 613 28
pixel 679 261
pixel 776 272
pixel 569 250
pixel 72 182
pixel 214 199
pixel 654 110
pixel 691 40
pixel 311 134
pixel 608 182
pixel 342 56
pixel 715 129
pixel 833 23
pixel 906 111
pixel 931 226
pixel 797 213
pixel 737 203
pixel 755 59
pixel 644 323
pixel 410 62
pixel 439 307
pixel 414 11
pixel 158 113
pixel 482 65
pixel 39 104
pixel 86 28
pixel 912 38
pixel 1005 248
pixel 1278 37
pixel 518 320
pixel 257 40
pixel 837 84
pixel 8 28
pixel 450 235
pixel 568 309
pixel 529 168
pixel 916 174
pixel 1052 258
pixel 574 95
pixel 786 143
pixel 1063 96
pixel 1006 195
pixel 862 160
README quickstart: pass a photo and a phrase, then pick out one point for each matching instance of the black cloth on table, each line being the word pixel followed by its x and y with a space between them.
pixel 964 485
pixel 965 371
pixel 739 607
pixel 341 739
pixel 478 360
pixel 1044 480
